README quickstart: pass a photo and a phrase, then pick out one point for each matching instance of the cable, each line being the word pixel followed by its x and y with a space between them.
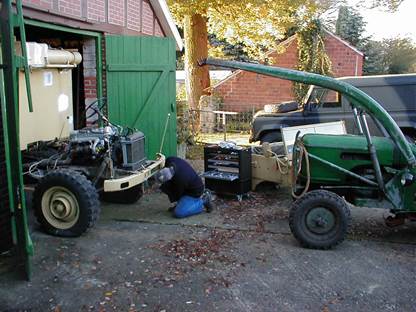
pixel 280 163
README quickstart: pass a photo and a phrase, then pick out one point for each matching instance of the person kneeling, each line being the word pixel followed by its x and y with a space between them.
pixel 185 187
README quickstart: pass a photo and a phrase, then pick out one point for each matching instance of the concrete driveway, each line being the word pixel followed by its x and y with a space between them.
pixel 241 257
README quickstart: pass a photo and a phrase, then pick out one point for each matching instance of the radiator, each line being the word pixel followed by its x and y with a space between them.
pixel 134 153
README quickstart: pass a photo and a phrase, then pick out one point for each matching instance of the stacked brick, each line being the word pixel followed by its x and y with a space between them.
pixel 135 16
pixel 246 91
pixel 90 79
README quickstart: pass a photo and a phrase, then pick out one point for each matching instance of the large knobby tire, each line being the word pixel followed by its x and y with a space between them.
pixel 320 219
pixel 66 203
pixel 129 196
pixel 271 137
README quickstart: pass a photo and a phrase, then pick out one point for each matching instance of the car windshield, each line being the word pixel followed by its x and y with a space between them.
pixel 321 97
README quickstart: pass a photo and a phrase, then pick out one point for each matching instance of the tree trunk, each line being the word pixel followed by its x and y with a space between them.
pixel 196 47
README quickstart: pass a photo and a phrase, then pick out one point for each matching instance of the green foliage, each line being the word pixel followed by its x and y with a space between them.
pixel 400 56
pixel 180 60
pixel 373 62
pixel 183 121
pixel 350 26
pixel 391 5
pixel 253 25
pixel 180 92
pixel 222 49
pixel 312 56
pixel 390 56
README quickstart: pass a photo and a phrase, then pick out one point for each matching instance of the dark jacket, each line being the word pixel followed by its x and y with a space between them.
pixel 185 180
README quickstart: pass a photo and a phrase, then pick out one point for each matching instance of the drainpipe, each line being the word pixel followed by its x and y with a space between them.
pixel 356 65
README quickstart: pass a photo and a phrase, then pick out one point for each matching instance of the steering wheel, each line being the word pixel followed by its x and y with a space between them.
pixel 96 110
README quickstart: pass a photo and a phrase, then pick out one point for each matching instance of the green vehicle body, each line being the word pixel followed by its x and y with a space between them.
pixel 351 155
pixel 350 152
pixel 367 171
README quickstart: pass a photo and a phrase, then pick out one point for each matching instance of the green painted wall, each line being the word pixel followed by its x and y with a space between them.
pixel 141 87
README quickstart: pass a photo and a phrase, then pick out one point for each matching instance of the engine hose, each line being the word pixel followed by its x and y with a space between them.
pixel 302 153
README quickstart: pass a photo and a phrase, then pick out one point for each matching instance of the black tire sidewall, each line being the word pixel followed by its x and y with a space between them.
pixel 329 201
pixel 84 192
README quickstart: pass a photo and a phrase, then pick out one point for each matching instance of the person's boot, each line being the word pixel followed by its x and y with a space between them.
pixel 207 200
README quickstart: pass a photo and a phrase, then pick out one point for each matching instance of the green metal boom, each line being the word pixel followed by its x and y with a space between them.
pixel 359 99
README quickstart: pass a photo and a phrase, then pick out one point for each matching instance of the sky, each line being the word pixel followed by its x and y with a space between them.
pixel 382 24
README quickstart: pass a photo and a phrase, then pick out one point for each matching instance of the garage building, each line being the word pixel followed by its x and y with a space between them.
pixel 128 50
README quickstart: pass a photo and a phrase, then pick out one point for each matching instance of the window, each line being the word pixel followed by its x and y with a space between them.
pixel 325 98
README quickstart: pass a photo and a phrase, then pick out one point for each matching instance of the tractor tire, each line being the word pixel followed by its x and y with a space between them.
pixel 271 137
pixel 66 203
pixel 320 219
pixel 129 196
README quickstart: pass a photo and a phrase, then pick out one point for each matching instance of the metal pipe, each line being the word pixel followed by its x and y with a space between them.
pixel 352 174
pixel 25 64
pixel 357 119
pixel 361 99
pixel 164 133
pixel 63 57
pixel 372 151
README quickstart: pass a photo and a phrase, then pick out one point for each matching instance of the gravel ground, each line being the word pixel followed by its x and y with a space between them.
pixel 241 257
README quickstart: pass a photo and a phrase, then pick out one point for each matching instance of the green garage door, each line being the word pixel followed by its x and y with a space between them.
pixel 141 87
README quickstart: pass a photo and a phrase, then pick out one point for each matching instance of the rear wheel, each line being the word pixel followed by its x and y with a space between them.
pixel 66 203
pixel 129 196
pixel 320 219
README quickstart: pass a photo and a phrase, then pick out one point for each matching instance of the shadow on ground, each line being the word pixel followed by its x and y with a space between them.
pixel 241 257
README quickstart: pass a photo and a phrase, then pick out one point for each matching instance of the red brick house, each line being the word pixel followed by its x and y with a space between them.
pixel 245 91
pixel 128 50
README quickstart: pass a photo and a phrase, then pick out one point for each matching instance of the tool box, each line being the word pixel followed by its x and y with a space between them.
pixel 227 170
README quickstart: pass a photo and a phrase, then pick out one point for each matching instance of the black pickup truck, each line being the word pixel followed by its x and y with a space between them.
pixel 396 93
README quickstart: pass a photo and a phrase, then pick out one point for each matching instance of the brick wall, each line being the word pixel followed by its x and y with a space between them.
pixel 131 16
pixel 90 76
pixel 70 7
pixel 96 10
pixel 246 91
pixel 44 4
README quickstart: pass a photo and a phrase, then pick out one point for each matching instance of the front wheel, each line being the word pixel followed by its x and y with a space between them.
pixel 319 219
pixel 66 203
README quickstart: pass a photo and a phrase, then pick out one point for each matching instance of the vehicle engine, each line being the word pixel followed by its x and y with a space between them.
pixel 89 145
pixel 88 149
